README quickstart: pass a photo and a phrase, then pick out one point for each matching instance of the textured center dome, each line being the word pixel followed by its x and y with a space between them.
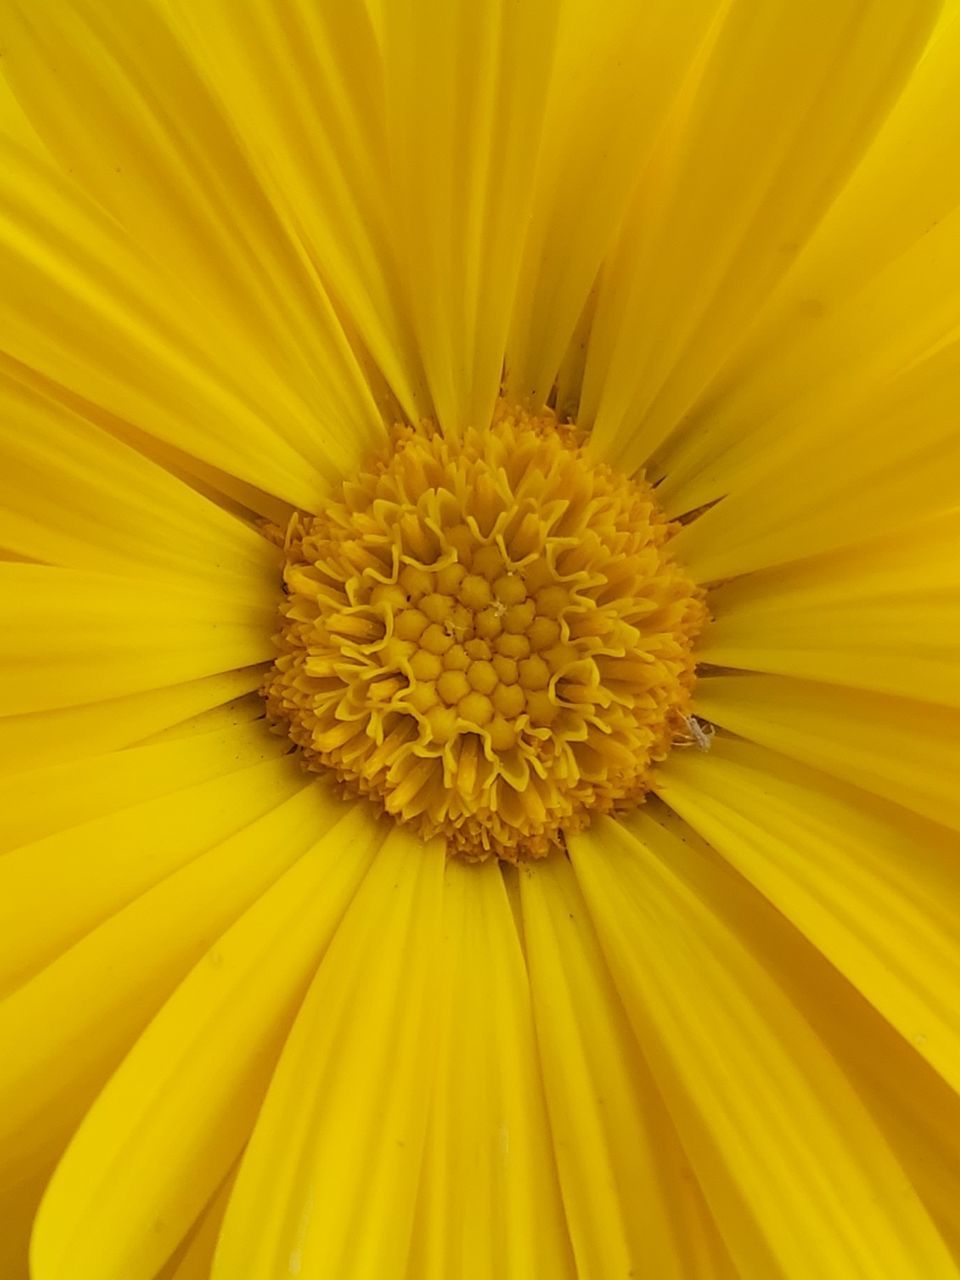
pixel 486 633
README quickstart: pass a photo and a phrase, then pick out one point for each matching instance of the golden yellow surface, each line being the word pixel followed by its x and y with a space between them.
pixel 487 634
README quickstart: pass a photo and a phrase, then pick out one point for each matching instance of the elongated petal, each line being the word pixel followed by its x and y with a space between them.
pixel 303 82
pixel 85 306
pixel 870 460
pixel 71 494
pixel 328 1183
pixel 916 1110
pixel 884 616
pixel 842 363
pixel 103 864
pixel 463 155
pixel 37 804
pixel 225 718
pixel 770 124
pixel 174 1117
pixel 617 70
pixel 873 889
pixel 75 637
pixel 169 168
pixel 69 1027
pixel 770 1124
pixel 865 293
pixel 489 1203
pixel 42 739
pixel 631 1200
pixel 906 751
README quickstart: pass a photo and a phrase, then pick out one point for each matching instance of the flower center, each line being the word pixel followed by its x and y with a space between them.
pixel 486 633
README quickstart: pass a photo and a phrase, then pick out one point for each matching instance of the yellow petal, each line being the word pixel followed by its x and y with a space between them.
pixel 870 458
pixel 67 1029
pixel 615 74
pixel 248 502
pixel 874 889
pixel 73 495
pixel 905 751
pixel 18 1205
pixel 40 739
pixel 328 1182
pixel 174 1117
pixel 103 864
pixel 219 719
pixel 194 1258
pixel 13 121
pixel 169 167
pixel 770 123
pixel 769 1122
pixel 303 84
pixel 85 306
pixel 866 290
pixel 882 616
pixel 38 803
pixel 75 637
pixel 489 1203
pixel 915 1109
pixel 466 92
pixel 632 1202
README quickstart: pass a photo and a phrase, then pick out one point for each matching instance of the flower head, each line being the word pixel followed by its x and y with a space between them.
pixel 479 529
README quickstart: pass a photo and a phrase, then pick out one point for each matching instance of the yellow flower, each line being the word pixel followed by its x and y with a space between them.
pixel 394 390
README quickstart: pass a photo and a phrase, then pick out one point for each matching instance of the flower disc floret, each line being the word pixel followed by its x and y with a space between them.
pixel 487 634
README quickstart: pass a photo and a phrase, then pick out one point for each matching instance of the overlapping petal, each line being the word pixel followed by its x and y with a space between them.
pixel 328 1182
pixel 250 1030
pixel 771 1125
pixel 776 110
pixel 488 1200
pixel 873 888
pixel 165 1133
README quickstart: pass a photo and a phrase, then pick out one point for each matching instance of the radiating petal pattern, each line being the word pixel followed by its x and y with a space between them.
pixel 769 1122
pixel 489 1203
pixel 868 275
pixel 774 113
pixel 893 747
pixel 880 900
pixel 304 84
pixel 917 1110
pixel 122 335
pixel 631 1200
pixel 617 71
pixel 173 1119
pixel 37 740
pixel 90 635
pixel 873 459
pixel 73 495
pixel 880 616
pixel 462 158
pixel 38 803
pixel 328 1182
pixel 170 170
pixel 252 1028
pixel 69 1026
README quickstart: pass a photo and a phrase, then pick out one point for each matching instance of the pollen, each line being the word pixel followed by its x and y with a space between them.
pixel 487 635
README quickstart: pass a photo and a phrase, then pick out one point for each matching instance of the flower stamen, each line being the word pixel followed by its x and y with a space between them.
pixel 487 634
